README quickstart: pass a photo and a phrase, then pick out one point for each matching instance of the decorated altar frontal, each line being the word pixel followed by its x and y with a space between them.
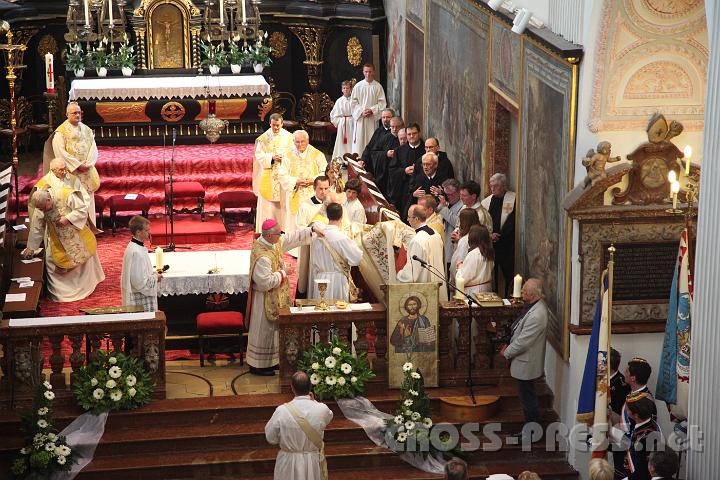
pixel 146 109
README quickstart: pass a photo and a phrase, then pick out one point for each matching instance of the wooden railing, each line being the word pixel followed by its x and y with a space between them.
pixel 28 347
pixel 299 331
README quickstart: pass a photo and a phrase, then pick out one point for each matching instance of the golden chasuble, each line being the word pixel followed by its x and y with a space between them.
pixel 308 164
pixel 70 247
pixel 278 144
pixel 277 297
pixel 78 143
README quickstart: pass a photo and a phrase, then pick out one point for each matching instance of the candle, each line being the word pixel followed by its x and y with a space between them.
pixel 49 74
pixel 244 17
pixel 517 286
pixel 460 284
pixel 222 13
pixel 87 13
pixel 672 176
pixel 675 188
pixel 687 153
pixel 110 12
pixel 159 259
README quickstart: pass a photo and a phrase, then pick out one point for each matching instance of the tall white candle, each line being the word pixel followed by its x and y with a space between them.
pixel 460 284
pixel 687 153
pixel 87 13
pixel 244 17
pixel 159 259
pixel 110 12
pixel 517 286
pixel 49 74
pixel 222 12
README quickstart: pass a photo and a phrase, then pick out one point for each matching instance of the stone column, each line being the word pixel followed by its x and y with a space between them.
pixel 705 356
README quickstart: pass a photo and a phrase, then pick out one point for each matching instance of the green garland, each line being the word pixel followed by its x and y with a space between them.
pixel 114 381
pixel 45 452
pixel 334 372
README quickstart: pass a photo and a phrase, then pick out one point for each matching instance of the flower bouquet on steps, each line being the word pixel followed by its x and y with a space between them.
pixel 114 381
pixel 45 452
pixel 334 372
pixel 411 429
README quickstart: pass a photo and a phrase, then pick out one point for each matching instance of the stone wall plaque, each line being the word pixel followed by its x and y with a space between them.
pixel 643 271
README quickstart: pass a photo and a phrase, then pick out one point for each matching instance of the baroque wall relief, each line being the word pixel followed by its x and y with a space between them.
pixel 651 56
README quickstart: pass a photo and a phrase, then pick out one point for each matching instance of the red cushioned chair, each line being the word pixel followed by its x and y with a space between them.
pixel 99 209
pixel 186 190
pixel 220 324
pixel 118 203
pixel 241 199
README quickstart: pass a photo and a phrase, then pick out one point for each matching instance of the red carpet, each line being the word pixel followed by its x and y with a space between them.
pixel 219 168
pixel 189 229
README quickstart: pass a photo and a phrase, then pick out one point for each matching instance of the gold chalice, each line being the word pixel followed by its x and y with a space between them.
pixel 322 288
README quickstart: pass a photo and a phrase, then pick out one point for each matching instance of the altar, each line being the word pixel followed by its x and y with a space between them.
pixel 147 109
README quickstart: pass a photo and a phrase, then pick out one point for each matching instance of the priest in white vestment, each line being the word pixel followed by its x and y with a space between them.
pixel 270 148
pixel 470 196
pixel 476 268
pixel 353 209
pixel 138 279
pixel 74 142
pixel 57 178
pixel 269 291
pixel 368 101
pixel 60 221
pixel 332 256
pixel 341 117
pixel 311 211
pixel 427 245
pixel 299 455
pixel 297 173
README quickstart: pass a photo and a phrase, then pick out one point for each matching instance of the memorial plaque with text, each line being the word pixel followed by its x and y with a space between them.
pixel 643 271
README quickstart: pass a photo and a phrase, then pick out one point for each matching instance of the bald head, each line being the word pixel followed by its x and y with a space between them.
pixel 532 290
pixel 41 199
pixel 73 112
pixel 301 139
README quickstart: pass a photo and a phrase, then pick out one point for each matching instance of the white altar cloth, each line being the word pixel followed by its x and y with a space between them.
pixel 188 272
pixel 140 87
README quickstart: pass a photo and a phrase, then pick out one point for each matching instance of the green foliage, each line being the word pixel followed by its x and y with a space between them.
pixel 334 372
pixel 213 54
pixel 259 54
pixel 114 381
pixel 125 55
pixel 236 54
pixel 74 57
pixel 45 452
pixel 99 56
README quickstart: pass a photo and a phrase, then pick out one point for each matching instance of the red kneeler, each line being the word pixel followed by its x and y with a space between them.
pixel 220 324
pixel 237 199
pixel 118 203
pixel 186 190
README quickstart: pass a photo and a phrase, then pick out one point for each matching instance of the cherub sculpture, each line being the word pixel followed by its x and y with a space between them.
pixel 595 163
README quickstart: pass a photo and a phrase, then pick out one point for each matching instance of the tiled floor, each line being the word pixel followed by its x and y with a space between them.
pixel 185 379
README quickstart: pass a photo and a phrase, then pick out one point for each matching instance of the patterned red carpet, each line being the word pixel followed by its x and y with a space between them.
pixel 111 249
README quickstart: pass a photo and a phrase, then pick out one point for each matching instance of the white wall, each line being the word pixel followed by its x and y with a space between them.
pixel 539 8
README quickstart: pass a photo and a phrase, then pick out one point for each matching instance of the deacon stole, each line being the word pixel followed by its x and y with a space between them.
pixel 78 142
pixel 69 247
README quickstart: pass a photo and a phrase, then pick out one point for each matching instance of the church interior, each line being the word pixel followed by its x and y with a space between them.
pixel 496 210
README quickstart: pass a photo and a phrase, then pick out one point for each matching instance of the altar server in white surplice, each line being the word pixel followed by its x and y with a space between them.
pixel 477 267
pixel 427 245
pixel 341 117
pixel 298 427
pixel 368 101
pixel 138 280
pixel 311 210
pixel 270 148
pixel 354 210
pixel 269 291
pixel 332 256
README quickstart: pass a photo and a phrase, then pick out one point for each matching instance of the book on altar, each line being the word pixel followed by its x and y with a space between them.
pixel 360 306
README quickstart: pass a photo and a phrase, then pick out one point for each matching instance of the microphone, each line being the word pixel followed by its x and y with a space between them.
pixel 174 134
pixel 420 260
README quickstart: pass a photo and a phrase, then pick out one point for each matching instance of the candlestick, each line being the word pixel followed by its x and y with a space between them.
pixel 49 74
pixel 687 153
pixel 517 286
pixel 244 17
pixel 159 259
pixel 222 13
pixel 110 12
pixel 87 13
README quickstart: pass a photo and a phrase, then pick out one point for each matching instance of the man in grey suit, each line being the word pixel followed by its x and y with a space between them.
pixel 526 350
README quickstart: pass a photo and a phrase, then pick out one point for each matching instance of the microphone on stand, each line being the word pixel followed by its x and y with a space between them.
pixel 420 261
pixel 174 134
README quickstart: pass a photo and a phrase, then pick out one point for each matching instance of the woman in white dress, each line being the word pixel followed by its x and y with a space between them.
pixel 467 218
pixel 476 269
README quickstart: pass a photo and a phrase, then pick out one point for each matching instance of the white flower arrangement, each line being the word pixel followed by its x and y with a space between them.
pixel 408 402
pixel 415 416
pixel 334 372
pixel 45 452
pixel 112 382
pixel 407 367
pixel 399 419
pixel 415 375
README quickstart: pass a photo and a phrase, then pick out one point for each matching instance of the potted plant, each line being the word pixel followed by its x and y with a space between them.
pixel 100 59
pixel 124 58
pixel 75 59
pixel 259 55
pixel 237 56
pixel 214 56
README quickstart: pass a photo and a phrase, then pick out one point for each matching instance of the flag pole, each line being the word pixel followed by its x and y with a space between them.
pixel 610 268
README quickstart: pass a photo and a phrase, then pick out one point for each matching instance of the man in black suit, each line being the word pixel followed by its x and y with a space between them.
pixel 377 137
pixel 427 180
pixel 382 156
pixel 663 464
pixel 445 168
pixel 402 167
